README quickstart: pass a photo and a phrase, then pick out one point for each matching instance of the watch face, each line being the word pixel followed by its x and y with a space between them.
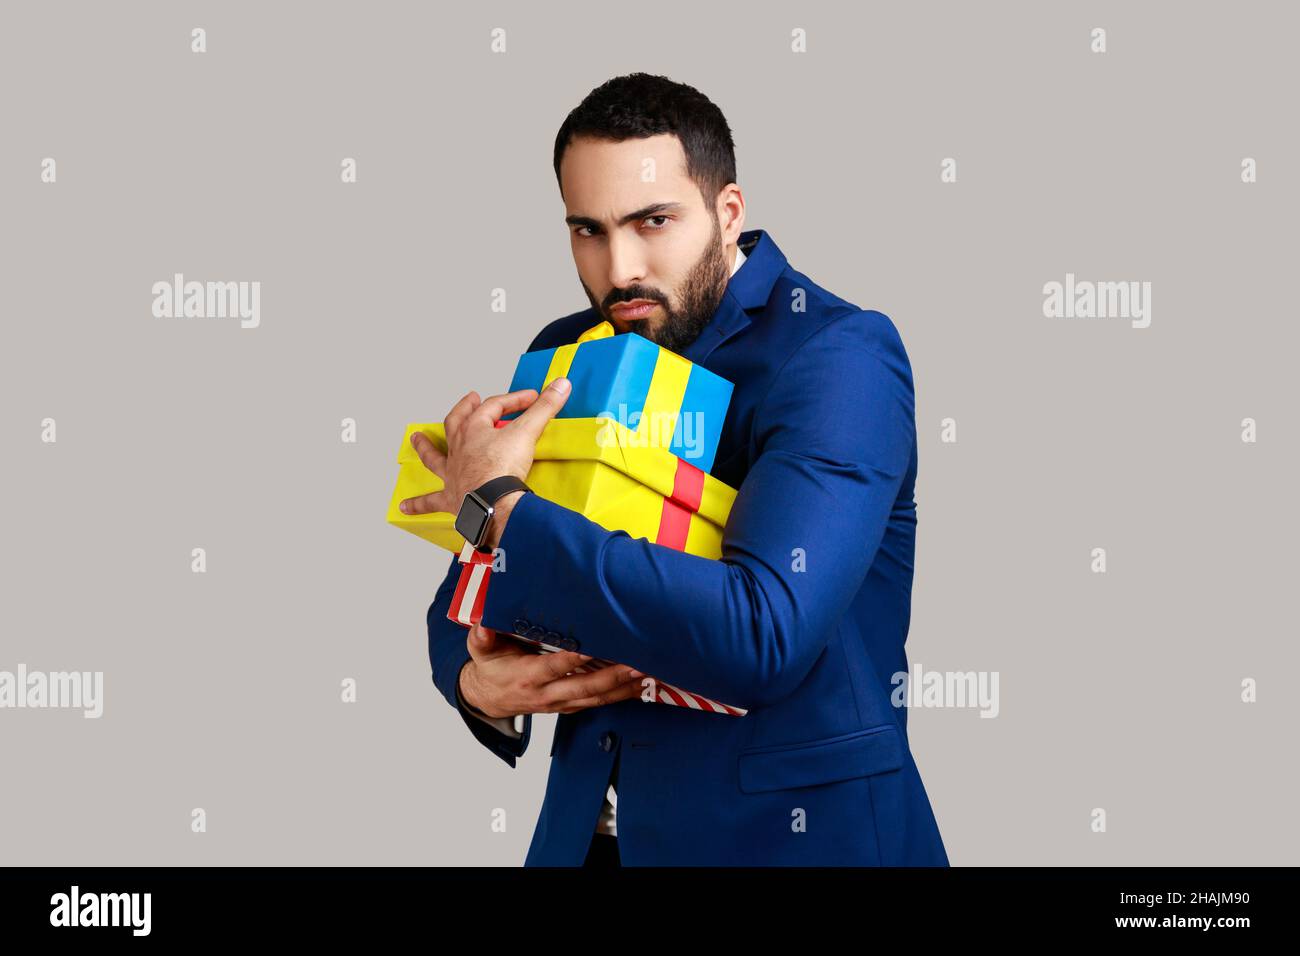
pixel 472 519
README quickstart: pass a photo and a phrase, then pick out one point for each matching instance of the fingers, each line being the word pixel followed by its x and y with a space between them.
pixel 537 411
pixel 499 405
pixel 556 690
pixel 546 407
pixel 427 504
pixel 589 685
pixel 625 691
pixel 551 667
pixel 432 458
pixel 436 461
pixel 458 411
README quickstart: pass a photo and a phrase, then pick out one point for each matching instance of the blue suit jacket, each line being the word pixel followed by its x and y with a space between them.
pixel 802 621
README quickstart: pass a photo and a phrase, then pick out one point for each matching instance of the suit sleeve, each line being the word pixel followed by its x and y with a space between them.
pixel 448 653
pixel 833 440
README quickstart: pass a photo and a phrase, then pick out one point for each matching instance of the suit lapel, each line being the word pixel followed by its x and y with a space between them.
pixel 748 290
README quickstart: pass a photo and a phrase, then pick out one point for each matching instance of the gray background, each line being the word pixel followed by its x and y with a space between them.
pixel 222 689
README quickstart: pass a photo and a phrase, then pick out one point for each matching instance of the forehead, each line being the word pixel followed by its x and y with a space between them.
pixel 604 179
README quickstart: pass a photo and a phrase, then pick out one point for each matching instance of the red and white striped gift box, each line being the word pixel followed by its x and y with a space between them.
pixel 467 609
pixel 471 589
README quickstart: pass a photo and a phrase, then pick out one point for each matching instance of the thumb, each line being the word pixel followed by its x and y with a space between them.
pixel 481 640
pixel 547 406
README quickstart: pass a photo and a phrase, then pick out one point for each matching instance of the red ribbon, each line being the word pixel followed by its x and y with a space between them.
pixel 675 518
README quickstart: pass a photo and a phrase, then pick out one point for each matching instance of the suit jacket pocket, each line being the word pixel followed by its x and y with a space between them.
pixel 859 754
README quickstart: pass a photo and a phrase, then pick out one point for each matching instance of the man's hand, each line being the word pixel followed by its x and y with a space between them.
pixel 478 451
pixel 502 679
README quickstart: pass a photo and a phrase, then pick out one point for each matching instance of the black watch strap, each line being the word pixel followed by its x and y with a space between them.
pixel 492 490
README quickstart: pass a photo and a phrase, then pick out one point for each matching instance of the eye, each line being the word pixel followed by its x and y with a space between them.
pixel 578 231
pixel 657 228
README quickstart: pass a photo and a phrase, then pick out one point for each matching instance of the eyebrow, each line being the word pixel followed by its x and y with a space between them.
pixel 651 210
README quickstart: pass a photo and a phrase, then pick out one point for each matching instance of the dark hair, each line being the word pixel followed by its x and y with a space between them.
pixel 639 105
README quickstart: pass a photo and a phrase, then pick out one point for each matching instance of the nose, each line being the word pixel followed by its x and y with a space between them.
pixel 626 263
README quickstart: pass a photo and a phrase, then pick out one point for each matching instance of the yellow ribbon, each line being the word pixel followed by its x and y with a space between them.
pixel 667 382
pixel 602 331
pixel 563 356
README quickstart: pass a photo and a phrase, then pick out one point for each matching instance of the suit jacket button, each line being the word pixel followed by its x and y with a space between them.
pixel 607 741
pixel 563 642
pixel 521 627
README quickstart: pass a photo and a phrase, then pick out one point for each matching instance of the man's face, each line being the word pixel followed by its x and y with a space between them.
pixel 644 235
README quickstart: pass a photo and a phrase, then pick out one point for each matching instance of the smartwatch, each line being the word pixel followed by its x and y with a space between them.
pixel 477 509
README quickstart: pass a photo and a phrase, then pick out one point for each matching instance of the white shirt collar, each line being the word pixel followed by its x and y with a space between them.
pixel 740 260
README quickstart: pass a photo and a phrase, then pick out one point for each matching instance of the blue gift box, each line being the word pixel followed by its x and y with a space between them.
pixel 660 397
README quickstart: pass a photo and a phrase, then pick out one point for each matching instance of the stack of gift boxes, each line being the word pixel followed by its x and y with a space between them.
pixel 631 450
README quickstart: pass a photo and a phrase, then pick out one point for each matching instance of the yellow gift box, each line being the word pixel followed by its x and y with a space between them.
pixel 594 467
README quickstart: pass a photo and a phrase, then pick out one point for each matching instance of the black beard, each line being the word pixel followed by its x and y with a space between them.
pixel 701 294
